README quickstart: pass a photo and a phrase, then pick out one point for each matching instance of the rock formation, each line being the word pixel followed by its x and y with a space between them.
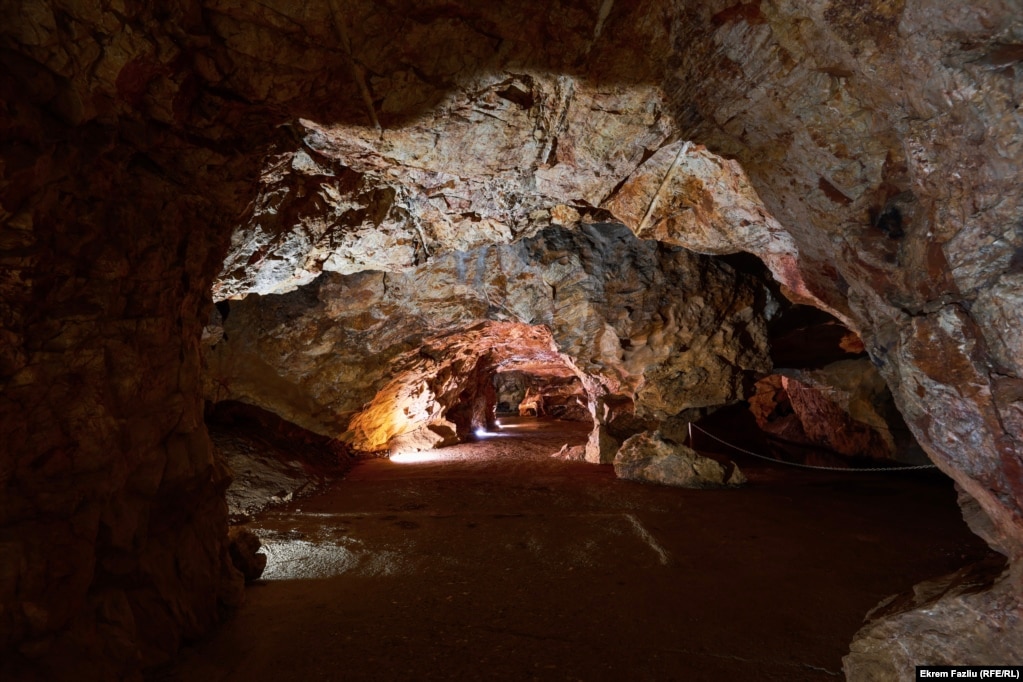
pixel 844 407
pixel 647 457
pixel 244 550
pixel 373 356
pixel 538 395
pixel 939 612
pixel 271 460
pixel 888 150
pixel 868 152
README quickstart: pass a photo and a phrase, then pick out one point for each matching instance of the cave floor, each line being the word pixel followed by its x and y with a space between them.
pixel 502 563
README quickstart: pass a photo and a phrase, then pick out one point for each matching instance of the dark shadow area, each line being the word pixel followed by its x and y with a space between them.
pixel 272 461
pixel 362 63
pixel 804 337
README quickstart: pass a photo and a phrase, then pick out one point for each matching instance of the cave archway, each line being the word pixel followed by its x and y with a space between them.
pixel 444 392
pixel 538 392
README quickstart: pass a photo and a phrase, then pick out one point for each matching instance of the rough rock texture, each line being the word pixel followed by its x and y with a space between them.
pixel 369 356
pixel 684 194
pixel 481 169
pixel 511 389
pixel 865 423
pixel 844 407
pixel 909 233
pixel 561 400
pixel 539 395
pixel 113 523
pixel 444 388
pixel 341 371
pixel 946 619
pixel 648 458
pixel 883 138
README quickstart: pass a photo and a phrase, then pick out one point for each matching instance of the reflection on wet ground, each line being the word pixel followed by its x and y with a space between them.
pixel 496 561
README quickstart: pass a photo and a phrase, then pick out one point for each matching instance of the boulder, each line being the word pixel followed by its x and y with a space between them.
pixel 436 434
pixel 646 457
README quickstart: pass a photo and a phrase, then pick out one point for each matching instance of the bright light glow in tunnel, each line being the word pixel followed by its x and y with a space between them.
pixel 438 455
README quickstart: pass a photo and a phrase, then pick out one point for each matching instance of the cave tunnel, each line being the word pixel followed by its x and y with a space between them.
pixel 732 274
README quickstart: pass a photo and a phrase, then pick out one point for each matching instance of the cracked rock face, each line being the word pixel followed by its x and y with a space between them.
pixel 885 138
pixel 664 329
pixel 868 152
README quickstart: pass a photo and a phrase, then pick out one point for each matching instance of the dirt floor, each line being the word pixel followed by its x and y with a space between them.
pixel 497 562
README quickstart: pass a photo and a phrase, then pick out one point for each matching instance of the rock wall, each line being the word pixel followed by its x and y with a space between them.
pixel 885 138
pixel 911 235
pixel 564 399
pixel 116 206
pixel 112 515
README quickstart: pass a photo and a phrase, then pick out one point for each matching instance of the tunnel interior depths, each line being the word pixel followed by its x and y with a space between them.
pixel 531 340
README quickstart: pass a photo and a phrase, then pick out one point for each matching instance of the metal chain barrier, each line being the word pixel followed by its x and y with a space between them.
pixel 796 464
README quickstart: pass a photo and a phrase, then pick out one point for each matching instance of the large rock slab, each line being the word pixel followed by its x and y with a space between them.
pixel 971 617
pixel 647 458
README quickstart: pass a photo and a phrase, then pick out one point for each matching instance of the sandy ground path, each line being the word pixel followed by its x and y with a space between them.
pixel 498 562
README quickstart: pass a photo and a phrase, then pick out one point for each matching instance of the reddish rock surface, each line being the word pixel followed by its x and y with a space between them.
pixel 844 407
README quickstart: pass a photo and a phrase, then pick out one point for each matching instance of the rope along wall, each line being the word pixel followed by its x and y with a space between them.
pixel 795 464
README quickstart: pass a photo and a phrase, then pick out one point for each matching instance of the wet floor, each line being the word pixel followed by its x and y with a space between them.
pixel 498 562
